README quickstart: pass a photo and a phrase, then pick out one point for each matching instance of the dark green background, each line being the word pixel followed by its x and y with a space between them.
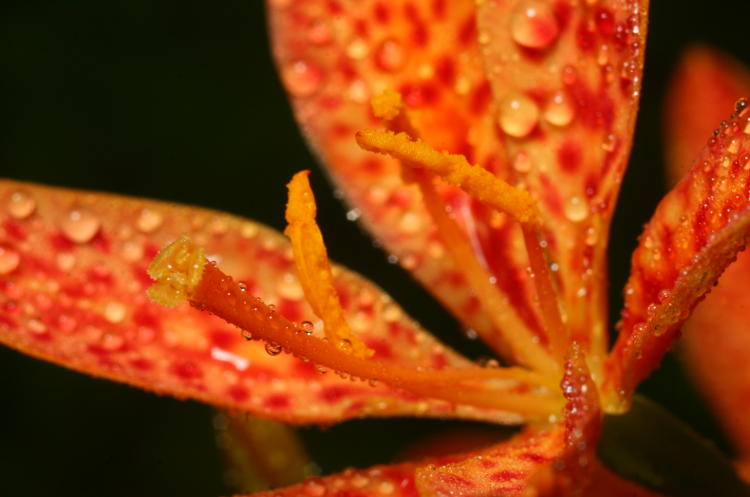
pixel 127 96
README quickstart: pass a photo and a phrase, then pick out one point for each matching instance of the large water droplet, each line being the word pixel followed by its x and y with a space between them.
pixel 21 205
pixel 518 115
pixel 80 225
pixel 534 25
pixel 149 220
pixel 559 110
pixel 390 55
pixel 9 260
pixel 576 209
pixel 302 78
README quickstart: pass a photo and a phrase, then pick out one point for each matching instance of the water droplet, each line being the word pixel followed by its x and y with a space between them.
pixel 36 327
pixel 314 489
pixel 591 236
pixel 112 341
pixel 80 225
pixel 518 115
pixel 522 162
pixel 559 111
pixel 247 335
pixel 576 209
pixel 65 261
pixel 409 223
pixel 390 55
pixel 289 288
pixel 273 348
pixel 386 488
pixel 307 327
pixel 534 25
pixel 21 205
pixel 9 260
pixel 114 312
pixel 319 33
pixel 302 78
pixel 149 220
pixel 357 49
pixel 353 214
pixel 360 481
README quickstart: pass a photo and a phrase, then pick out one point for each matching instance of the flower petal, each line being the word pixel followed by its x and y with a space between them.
pixel 566 79
pixel 706 82
pixel 333 57
pixel 72 289
pixel 559 458
pixel 379 481
pixel 695 233
pixel 716 344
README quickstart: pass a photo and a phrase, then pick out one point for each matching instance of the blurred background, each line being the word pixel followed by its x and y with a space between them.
pixel 178 100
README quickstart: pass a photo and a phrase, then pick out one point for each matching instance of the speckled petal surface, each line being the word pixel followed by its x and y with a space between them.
pixel 333 57
pixel 566 79
pixel 716 342
pixel 705 84
pixel 72 290
pixel 696 232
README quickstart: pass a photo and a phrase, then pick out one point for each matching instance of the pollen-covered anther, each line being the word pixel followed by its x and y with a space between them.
pixel 314 269
pixel 387 105
pixel 176 270
pixel 455 169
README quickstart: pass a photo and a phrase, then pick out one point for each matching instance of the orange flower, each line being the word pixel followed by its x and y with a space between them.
pixel 496 189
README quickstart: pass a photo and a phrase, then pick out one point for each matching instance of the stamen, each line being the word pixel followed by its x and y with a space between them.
pixel 548 301
pixel 455 169
pixel 313 268
pixel 511 331
pixel 493 388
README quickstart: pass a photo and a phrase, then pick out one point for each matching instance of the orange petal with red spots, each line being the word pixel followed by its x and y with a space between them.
pixel 72 291
pixel 696 232
pixel 334 56
pixel 379 481
pixel 554 460
pixel 716 344
pixel 566 79
pixel 705 84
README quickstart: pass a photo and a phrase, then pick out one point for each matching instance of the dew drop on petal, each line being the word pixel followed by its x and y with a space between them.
pixel 9 260
pixel 273 348
pixel 522 162
pixel 559 111
pixel 149 220
pixel 307 327
pixel 390 55
pixel 80 225
pixel 518 115
pixel 302 78
pixel 576 209
pixel 534 25
pixel 21 205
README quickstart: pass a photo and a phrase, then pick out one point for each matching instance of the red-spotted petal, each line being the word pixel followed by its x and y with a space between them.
pixel 72 291
pixel 716 344
pixel 557 460
pixel 566 79
pixel 333 57
pixel 378 481
pixel 695 233
pixel 705 84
